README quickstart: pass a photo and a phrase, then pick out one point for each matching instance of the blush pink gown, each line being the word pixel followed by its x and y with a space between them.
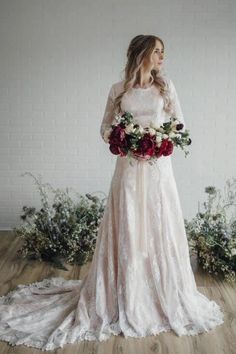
pixel 140 281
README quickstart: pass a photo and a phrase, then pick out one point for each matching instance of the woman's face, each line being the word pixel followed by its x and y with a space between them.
pixel 157 56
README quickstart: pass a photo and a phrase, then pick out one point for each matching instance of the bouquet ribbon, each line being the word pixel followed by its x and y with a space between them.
pixel 141 204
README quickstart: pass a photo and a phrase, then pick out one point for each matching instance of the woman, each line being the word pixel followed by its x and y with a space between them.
pixel 140 281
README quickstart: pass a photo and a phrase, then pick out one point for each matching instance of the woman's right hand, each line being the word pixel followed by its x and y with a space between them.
pixel 141 158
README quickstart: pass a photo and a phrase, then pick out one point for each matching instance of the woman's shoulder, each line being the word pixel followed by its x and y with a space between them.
pixel 167 81
pixel 171 85
pixel 166 78
pixel 116 88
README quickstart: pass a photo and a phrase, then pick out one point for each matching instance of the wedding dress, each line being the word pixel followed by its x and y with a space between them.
pixel 140 281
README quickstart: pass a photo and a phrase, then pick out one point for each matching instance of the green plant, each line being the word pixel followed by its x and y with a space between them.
pixel 212 232
pixel 61 231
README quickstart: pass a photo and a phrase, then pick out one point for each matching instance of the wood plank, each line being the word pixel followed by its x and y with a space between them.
pixel 15 270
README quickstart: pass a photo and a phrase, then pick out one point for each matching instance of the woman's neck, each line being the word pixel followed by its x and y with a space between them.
pixel 144 79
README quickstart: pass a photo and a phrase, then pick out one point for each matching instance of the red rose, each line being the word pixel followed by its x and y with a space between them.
pixel 179 126
pixel 165 149
pixel 117 150
pixel 117 136
pixel 162 148
pixel 114 149
pixel 169 149
pixel 123 152
pixel 146 145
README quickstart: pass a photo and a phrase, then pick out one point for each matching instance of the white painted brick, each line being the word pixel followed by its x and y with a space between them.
pixel 55 72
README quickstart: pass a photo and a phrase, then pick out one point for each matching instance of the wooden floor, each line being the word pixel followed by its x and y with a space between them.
pixel 222 339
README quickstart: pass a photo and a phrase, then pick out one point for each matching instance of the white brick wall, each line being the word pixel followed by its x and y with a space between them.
pixel 58 60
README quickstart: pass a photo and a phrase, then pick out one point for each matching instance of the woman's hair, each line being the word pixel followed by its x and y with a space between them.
pixel 138 54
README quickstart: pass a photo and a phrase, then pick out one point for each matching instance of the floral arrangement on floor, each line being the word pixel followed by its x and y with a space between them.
pixel 61 231
pixel 212 233
pixel 131 140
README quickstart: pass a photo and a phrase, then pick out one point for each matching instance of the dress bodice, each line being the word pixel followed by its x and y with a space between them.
pixel 146 105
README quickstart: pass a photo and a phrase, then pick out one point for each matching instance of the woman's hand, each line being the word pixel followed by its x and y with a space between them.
pixel 141 158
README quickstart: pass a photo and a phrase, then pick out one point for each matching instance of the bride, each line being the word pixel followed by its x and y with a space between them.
pixel 140 281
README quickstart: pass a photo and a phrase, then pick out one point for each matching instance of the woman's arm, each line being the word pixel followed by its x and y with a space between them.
pixel 108 117
pixel 177 110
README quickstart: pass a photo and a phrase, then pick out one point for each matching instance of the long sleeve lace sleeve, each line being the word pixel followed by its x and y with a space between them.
pixel 177 110
pixel 108 117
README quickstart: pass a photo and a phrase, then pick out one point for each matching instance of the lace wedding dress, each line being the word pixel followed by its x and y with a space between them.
pixel 140 281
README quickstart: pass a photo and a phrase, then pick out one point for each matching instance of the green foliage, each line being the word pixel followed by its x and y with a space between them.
pixel 61 231
pixel 212 232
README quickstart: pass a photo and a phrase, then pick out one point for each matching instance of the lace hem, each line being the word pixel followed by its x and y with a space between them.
pixel 94 336
pixel 61 338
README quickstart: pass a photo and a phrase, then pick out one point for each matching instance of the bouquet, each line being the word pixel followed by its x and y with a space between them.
pixel 145 143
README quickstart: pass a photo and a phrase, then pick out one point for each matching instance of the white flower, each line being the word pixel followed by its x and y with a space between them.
pixel 165 136
pixel 172 134
pixel 158 138
pixel 141 129
pixel 118 117
pixel 129 128
pixel 233 251
pixel 152 131
pixel 158 134
pixel 161 130
pixel 159 144
pixel 174 123
pixel 154 125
